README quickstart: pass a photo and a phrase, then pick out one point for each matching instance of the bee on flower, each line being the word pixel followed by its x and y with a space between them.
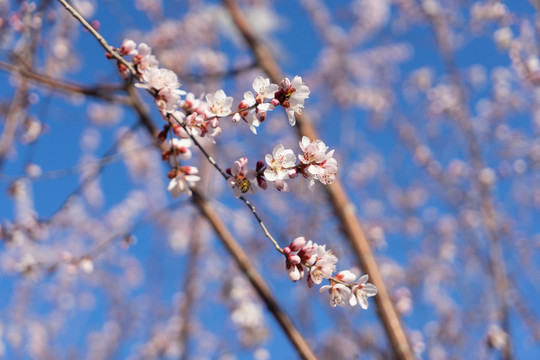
pixel 242 180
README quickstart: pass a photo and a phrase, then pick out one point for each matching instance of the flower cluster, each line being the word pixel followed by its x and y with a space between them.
pixel 306 256
pixel 194 117
pixel 315 163
pixel 200 117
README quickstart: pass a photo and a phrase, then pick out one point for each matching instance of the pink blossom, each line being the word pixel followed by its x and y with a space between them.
pixel 346 276
pixel 143 59
pixel 316 163
pixel 199 124
pixel 314 151
pixel 361 291
pixel 128 47
pixel 298 243
pixel 264 89
pixel 183 181
pixel 219 103
pixel 291 96
pixel 249 115
pixel 166 83
pixel 180 147
pixel 339 293
pixel 156 78
pixel 308 253
pixel 294 271
pixel 279 163
pixel 324 266
pixel 242 180
pixel 293 263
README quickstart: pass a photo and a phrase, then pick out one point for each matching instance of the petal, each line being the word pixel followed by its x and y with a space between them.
pixel 270 175
pixel 174 188
pixel 363 279
pixel 362 300
pixel 277 150
pixel 258 84
pixel 290 116
pixel 293 272
pixel 324 288
pixel 268 158
pixel 250 99
pixel 353 301
pixel 346 276
pixel 370 290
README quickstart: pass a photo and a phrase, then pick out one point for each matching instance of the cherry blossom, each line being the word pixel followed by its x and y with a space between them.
pixel 295 270
pixel 182 180
pixel 264 89
pixel 361 291
pixel 219 103
pixel 324 266
pixel 128 47
pixel 308 253
pixel 316 163
pixel 291 96
pixel 250 114
pixel 166 83
pixel 279 163
pixel 339 293
pixel 242 180
pixel 143 59
pixel 178 147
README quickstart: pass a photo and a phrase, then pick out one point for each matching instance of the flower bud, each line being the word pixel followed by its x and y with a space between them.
pixel 298 243
pixel 294 259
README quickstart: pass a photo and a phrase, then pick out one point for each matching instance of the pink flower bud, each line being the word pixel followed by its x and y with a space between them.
pixel 262 183
pixel 243 105
pixel 261 116
pixel 298 243
pixel 285 84
pixel 293 173
pixel 294 259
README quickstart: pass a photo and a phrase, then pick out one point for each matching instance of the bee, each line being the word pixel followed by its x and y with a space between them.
pixel 245 185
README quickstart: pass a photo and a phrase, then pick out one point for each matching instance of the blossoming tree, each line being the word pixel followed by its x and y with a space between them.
pixel 170 193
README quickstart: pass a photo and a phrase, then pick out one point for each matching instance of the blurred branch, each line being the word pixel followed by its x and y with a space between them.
pixel 104 245
pixel 244 263
pixel 192 77
pixel 106 158
pixel 343 207
pixel 101 92
pixel 15 115
pixel 489 215
pixel 55 174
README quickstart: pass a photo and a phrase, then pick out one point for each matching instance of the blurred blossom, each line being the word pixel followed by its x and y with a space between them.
pixel 432 106
pixel 104 114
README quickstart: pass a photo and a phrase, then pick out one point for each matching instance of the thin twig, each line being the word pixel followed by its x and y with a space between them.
pixel 488 212
pixel 99 38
